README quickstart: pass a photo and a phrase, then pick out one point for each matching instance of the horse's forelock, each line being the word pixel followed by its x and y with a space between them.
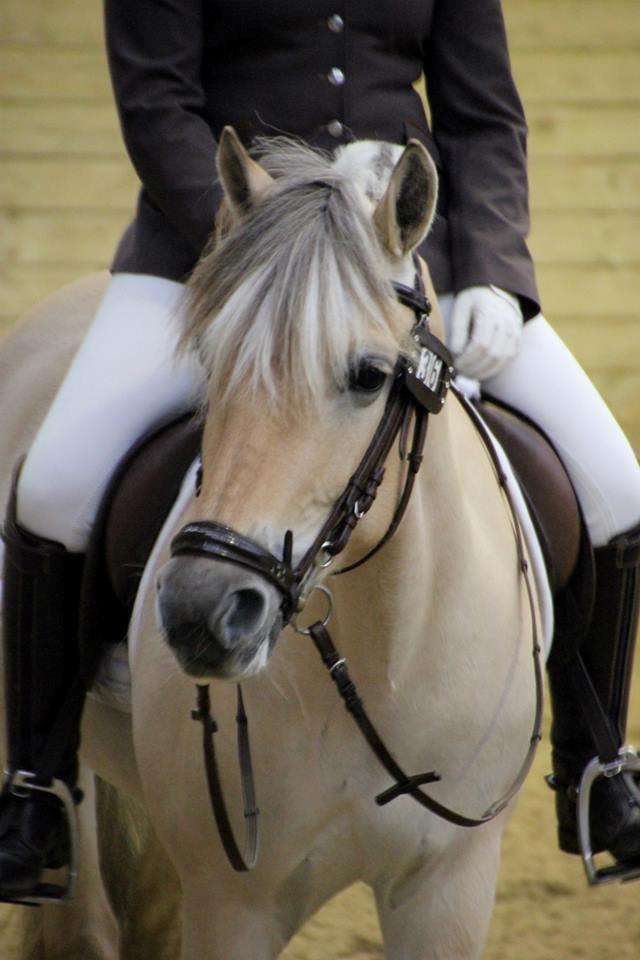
pixel 278 306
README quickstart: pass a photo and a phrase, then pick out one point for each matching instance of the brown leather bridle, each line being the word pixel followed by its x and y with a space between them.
pixel 419 388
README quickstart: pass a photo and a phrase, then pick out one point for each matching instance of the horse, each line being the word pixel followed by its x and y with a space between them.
pixel 309 318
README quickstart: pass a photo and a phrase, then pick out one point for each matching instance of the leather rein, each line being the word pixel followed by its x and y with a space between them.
pixel 419 388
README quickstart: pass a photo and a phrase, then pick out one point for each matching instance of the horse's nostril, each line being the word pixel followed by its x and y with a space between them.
pixel 241 614
pixel 248 608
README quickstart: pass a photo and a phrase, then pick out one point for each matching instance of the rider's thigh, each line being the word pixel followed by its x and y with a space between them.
pixel 125 377
pixel 547 383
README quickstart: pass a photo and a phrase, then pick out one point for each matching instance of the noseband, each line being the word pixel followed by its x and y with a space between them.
pixel 419 388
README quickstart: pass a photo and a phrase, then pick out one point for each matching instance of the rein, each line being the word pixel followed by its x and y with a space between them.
pixel 410 784
pixel 418 390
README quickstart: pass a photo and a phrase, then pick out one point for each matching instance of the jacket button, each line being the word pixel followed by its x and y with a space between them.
pixel 335 23
pixel 336 76
pixel 335 128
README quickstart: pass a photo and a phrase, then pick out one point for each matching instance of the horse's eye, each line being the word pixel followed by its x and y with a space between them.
pixel 366 378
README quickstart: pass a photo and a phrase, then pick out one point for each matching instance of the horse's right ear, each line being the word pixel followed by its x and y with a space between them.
pixel 244 180
pixel 405 212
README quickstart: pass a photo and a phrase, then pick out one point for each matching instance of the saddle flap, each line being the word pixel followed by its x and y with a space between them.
pixel 133 510
pixel 546 485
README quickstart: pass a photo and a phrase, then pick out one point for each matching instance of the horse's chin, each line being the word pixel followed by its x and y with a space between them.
pixel 212 663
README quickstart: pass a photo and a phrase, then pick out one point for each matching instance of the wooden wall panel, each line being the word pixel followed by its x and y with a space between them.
pixel 584 132
pixel 52 183
pixel 66 188
pixel 78 236
pixel 577 64
pixel 36 129
pixel 592 187
pixel 607 236
pixel 51 23
pixel 49 73
pixel 558 76
pixel 588 25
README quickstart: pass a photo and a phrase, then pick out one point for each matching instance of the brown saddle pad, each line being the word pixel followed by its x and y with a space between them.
pixel 141 499
pixel 135 505
pixel 146 485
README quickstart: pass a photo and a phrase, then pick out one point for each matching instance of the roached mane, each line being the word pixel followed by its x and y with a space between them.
pixel 290 294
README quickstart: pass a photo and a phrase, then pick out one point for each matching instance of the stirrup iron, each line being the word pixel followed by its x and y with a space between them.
pixel 627 761
pixel 21 783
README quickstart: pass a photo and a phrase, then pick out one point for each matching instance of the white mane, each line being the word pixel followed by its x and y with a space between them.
pixel 289 295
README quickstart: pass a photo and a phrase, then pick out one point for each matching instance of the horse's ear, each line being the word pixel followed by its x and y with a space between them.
pixel 404 214
pixel 244 180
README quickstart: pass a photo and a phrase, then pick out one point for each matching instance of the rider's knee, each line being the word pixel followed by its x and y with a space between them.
pixel 50 499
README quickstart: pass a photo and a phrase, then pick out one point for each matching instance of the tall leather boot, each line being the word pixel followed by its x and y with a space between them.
pixel 589 688
pixel 41 661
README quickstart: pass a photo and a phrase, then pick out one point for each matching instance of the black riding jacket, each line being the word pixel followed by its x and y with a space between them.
pixel 327 71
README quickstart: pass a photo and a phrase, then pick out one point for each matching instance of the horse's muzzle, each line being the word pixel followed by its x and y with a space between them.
pixel 219 619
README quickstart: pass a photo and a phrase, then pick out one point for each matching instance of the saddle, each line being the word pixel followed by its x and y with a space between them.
pixel 547 488
pixel 147 483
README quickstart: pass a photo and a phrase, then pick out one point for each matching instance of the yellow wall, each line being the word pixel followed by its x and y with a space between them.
pixel 577 63
pixel 65 186
pixel 66 189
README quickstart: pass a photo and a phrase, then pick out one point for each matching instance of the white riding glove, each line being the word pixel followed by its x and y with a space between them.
pixel 484 330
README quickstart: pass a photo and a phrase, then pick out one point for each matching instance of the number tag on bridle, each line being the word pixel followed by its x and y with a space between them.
pixel 428 374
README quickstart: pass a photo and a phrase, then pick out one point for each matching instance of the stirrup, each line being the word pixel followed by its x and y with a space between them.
pixel 21 783
pixel 627 761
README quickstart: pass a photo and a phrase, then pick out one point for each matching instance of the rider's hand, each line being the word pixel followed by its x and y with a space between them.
pixel 484 330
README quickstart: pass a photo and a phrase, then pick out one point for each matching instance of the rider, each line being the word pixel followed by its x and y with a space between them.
pixel 337 71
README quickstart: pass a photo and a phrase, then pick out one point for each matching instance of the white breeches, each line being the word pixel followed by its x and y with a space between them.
pixel 546 382
pixel 124 379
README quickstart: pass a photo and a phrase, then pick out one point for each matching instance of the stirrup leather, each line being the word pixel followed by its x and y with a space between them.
pixel 627 761
pixel 21 783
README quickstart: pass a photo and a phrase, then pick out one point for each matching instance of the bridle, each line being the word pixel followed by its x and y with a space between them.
pixel 419 388
pixel 416 389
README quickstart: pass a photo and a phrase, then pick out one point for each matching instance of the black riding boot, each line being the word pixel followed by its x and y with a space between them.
pixel 589 696
pixel 39 628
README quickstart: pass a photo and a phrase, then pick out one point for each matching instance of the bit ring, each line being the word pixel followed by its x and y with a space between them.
pixel 305 631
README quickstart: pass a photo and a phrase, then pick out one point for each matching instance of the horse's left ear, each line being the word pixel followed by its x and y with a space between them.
pixel 244 180
pixel 404 214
